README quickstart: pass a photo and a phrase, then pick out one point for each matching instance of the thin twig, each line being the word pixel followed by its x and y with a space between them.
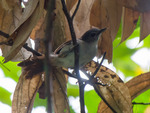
pixel 70 22
pixel 69 74
pixel 10 43
pixel 75 11
pixel 76 51
pixel 97 69
pixel 140 103
pixel 4 34
pixel 31 50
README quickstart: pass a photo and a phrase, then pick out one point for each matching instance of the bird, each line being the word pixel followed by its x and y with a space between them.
pixel 64 56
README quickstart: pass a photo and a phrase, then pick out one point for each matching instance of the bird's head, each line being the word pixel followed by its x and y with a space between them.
pixel 92 35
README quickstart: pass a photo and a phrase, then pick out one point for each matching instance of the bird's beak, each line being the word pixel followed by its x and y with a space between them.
pixel 101 30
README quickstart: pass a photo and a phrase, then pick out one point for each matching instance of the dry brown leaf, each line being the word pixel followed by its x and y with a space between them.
pixel 23 53
pixel 106 45
pixel 139 84
pixel 36 31
pixel 99 18
pixel 70 4
pixel 23 32
pixel 61 29
pixel 136 86
pixel 145 25
pixel 114 12
pixel 139 5
pixel 14 16
pixel 25 93
pixel 81 19
pixel 8 4
pixel 61 104
pixel 116 93
pixel 130 18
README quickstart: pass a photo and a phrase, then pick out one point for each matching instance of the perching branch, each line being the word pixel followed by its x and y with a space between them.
pixel 76 51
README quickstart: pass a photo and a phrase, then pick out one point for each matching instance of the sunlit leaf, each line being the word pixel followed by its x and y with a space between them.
pixel 5 96
pixel 10 69
pixel 144 98
pixel 72 90
pixel 91 101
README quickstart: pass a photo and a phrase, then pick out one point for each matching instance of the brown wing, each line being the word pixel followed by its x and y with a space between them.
pixel 61 46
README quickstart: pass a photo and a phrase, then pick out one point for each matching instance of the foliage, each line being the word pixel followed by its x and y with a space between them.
pixel 121 52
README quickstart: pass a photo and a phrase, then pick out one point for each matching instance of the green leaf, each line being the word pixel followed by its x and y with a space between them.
pixel 144 98
pixel 92 101
pixel 10 69
pixel 72 90
pixel 39 102
pixel 5 96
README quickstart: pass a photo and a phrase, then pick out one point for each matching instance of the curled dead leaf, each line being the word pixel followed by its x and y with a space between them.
pixel 60 88
pixel 145 25
pixel 25 93
pixel 114 12
pixel 99 18
pixel 23 32
pixel 139 84
pixel 130 18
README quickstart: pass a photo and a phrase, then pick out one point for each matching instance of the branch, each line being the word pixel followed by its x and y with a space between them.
pixel 97 69
pixel 10 43
pixel 4 34
pixel 31 50
pixel 140 103
pixel 47 64
pixel 76 51
pixel 75 11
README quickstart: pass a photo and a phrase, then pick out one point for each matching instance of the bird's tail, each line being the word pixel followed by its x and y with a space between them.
pixel 33 66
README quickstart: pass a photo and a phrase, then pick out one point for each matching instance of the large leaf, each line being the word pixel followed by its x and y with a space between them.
pixel 25 93
pixel 145 25
pixel 136 86
pixel 23 31
pixel 99 18
pixel 115 93
pixel 81 20
pixel 114 12
pixel 130 18
pixel 5 96
pixel 59 92
pixel 10 69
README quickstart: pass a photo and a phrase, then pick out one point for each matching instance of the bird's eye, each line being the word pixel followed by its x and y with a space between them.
pixel 93 34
